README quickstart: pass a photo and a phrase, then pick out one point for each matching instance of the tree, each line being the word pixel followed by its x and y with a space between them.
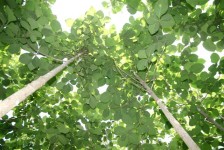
pixel 143 55
pixel 16 98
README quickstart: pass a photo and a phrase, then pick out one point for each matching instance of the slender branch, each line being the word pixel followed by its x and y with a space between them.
pixel 55 59
pixel 221 117
pixel 176 125
pixel 210 119
pixel 127 75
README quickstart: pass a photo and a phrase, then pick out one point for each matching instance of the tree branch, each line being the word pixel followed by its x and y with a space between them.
pixel 210 119
pixel 55 59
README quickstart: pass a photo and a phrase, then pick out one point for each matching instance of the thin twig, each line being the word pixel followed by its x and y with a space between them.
pixel 130 77
pixel 210 119
pixel 37 52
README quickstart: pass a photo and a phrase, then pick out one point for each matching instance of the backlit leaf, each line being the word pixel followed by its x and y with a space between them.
pixel 132 5
pixel 193 3
pixel 142 64
pixel 142 54
pixel 33 23
pixel 214 57
pixel 14 48
pixel 62 128
pixel 153 24
pixel 196 68
pixel 105 97
pixel 167 21
pixel 10 14
pixel 161 7
pixel 55 25
pixel 209 45
pixel 119 130
pixel 92 102
pixel 25 58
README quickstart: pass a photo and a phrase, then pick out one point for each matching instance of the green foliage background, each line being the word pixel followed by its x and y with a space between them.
pixel 123 116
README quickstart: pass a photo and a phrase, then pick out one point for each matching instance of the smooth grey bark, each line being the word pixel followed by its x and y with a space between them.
pixel 13 100
pixel 176 125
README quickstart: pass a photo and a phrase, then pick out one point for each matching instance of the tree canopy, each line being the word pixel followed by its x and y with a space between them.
pixel 160 47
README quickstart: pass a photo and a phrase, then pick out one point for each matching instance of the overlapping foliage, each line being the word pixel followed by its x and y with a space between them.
pixel 32 43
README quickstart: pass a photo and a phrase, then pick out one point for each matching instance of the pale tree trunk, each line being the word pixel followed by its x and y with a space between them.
pixel 13 100
pixel 176 125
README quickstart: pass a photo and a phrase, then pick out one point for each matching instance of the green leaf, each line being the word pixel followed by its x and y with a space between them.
pixel 133 138
pixel 62 128
pixel 106 113
pixel 50 39
pixel 3 18
pixel 169 39
pixel 197 67
pixel 152 131
pixel 14 28
pixel 205 128
pixel 42 20
pixel 193 57
pixel 161 7
pixel 132 5
pixel 209 45
pixel 44 50
pixel 30 5
pixel 193 3
pixel 36 62
pixel 204 76
pixel 10 14
pixel 55 25
pixel 142 54
pixel 142 64
pixel 33 23
pixel 220 45
pixel 25 25
pixel 60 85
pixel 109 42
pixel 14 48
pixel 31 66
pixel 70 69
pixel 47 31
pixel 214 57
pixel 119 130
pixel 153 24
pixel 92 102
pixel 167 21
pixel 105 97
pixel 38 12
pixel 52 131
pixel 62 139
pixel 186 39
pixel 101 81
pixel 147 146
pixel 67 88
pixel 96 131
pixel 25 58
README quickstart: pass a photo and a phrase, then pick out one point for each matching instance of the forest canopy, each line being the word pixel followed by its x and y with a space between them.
pixel 159 92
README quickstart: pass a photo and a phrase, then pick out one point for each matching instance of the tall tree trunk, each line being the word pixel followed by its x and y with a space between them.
pixel 176 125
pixel 13 100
